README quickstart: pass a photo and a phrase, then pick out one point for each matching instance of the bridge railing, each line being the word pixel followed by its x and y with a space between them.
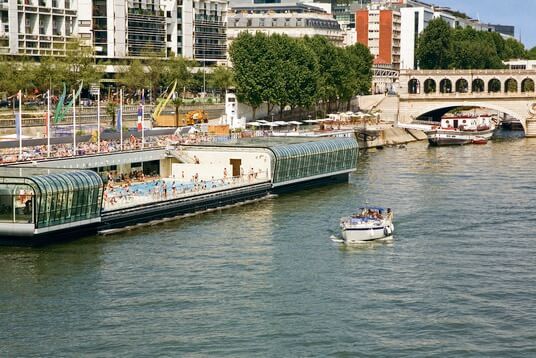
pixel 440 95
pixel 496 72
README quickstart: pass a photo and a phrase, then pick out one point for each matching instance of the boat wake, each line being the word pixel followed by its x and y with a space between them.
pixel 336 239
pixel 340 240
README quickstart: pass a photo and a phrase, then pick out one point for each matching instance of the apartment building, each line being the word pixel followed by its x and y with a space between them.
pixel 37 27
pixel 116 29
pixel 379 29
pixel 292 19
pixel 197 29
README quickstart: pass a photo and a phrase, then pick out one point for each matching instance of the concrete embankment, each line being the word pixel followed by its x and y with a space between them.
pixel 389 136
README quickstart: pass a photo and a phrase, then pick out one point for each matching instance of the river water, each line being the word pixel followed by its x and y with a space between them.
pixel 266 280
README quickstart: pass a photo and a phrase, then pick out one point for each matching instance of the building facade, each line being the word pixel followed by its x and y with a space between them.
pixel 37 27
pixel 116 29
pixel 413 21
pixel 415 18
pixel 294 20
pixel 521 64
pixel 380 30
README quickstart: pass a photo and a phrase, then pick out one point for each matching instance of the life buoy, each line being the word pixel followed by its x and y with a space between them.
pixel 387 231
pixel 532 109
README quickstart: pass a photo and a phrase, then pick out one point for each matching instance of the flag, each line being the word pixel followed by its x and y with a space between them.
pixel 59 112
pixel 18 119
pixel 46 122
pixel 140 114
pixel 119 124
pixel 18 124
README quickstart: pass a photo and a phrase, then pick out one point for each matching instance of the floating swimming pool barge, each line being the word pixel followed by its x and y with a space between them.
pixel 198 202
pixel 48 201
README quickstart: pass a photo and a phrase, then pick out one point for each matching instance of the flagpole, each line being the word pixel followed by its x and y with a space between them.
pixel 74 124
pixel 48 123
pixel 98 121
pixel 142 118
pixel 121 117
pixel 20 125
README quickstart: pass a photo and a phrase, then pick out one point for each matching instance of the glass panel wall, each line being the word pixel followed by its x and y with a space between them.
pixel 67 197
pixel 299 161
pixel 16 203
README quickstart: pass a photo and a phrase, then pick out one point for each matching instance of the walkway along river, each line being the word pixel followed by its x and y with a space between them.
pixel 265 280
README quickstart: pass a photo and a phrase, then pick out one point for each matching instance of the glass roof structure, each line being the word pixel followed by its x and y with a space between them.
pixel 314 159
pixel 49 198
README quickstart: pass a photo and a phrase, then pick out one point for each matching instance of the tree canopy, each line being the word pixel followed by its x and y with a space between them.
pixel 441 47
pixel 531 54
pixel 301 72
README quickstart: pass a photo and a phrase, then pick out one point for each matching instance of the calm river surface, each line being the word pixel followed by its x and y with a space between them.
pixel 266 280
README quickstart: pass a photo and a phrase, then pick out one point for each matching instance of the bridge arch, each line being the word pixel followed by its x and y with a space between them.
pixel 494 85
pixel 510 85
pixel 527 85
pixel 462 86
pixel 478 85
pixel 414 86
pixel 430 85
pixel 445 86
pixel 487 105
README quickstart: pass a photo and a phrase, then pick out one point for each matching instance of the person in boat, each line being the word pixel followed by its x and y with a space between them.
pixel 389 214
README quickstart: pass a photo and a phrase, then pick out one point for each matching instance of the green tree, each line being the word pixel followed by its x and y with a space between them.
pixel 80 65
pixel 282 72
pixel 514 49
pixel 361 62
pixel 469 54
pixel 434 45
pixel 527 86
pixel 176 102
pixel 49 73
pixel 197 82
pixel 222 78
pixel 178 69
pixel 133 76
pixel 111 110
pixel 495 39
pixel 531 54
pixel 8 82
pixel 329 68
pixel 304 64
pixel 155 68
pixel 247 53
pixel 475 49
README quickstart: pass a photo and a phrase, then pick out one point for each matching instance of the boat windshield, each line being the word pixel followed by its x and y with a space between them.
pixel 372 213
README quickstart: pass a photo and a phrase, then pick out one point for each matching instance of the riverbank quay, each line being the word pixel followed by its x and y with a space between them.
pixel 375 136
pixel 58 199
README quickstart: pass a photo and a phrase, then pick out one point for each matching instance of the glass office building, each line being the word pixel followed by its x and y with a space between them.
pixel 34 202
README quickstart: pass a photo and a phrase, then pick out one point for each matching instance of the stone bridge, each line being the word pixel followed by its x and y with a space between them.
pixel 432 93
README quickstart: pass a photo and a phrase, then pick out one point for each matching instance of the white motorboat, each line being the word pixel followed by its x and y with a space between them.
pixel 459 130
pixel 369 223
